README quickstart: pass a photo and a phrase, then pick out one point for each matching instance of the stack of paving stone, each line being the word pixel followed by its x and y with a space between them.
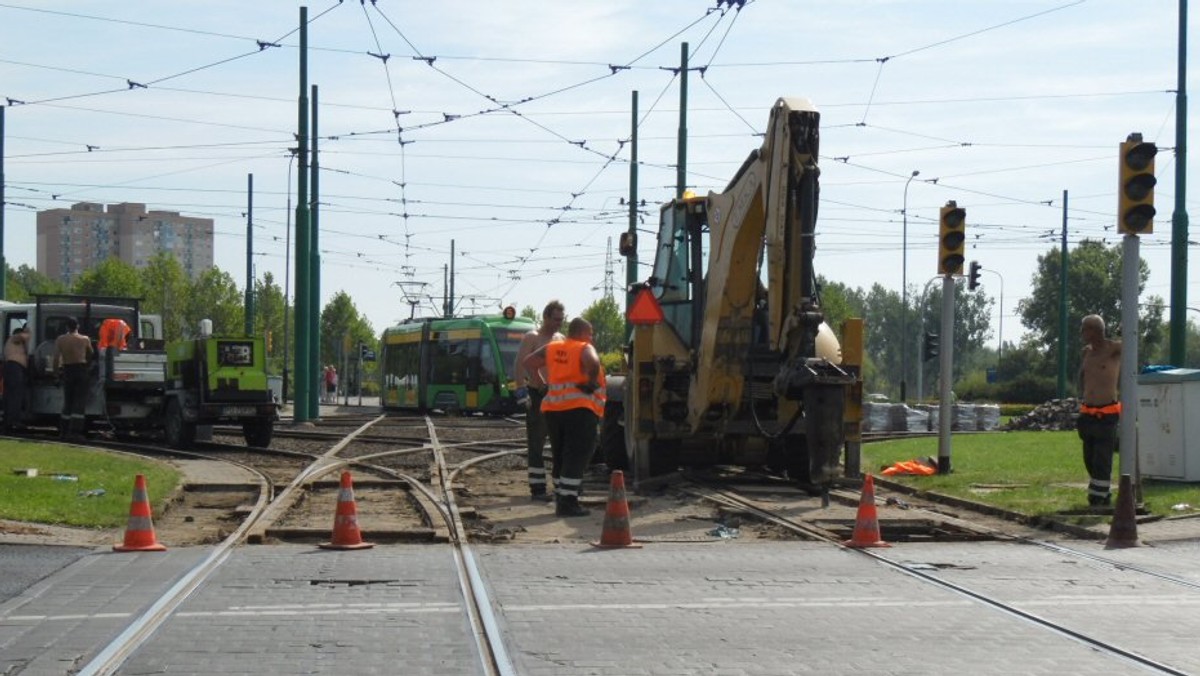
pixel 1056 414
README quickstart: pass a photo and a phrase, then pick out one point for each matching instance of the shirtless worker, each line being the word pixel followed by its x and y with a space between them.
pixel 1099 410
pixel 531 388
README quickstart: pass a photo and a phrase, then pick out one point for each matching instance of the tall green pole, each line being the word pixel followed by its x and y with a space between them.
pixel 1179 219
pixel 631 260
pixel 249 254
pixel 314 272
pixel 1062 308
pixel 3 262
pixel 304 372
pixel 681 166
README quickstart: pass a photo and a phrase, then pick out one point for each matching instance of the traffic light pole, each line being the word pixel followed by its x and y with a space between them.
pixel 1130 256
pixel 945 407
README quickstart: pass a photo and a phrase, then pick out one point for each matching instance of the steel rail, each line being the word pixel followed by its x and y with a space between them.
pixel 485 629
pixel 996 604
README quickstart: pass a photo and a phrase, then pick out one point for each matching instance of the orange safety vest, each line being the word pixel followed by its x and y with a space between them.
pixel 565 374
pixel 910 467
pixel 113 333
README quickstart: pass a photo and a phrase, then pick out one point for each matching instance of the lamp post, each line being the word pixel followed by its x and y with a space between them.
pixel 904 293
pixel 287 274
pixel 1000 347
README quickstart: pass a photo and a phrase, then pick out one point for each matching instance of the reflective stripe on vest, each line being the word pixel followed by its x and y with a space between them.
pixel 565 371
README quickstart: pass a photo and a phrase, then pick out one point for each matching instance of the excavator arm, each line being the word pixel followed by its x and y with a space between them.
pixel 746 360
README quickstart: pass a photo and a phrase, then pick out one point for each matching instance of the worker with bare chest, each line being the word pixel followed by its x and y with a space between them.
pixel 531 388
pixel 1099 410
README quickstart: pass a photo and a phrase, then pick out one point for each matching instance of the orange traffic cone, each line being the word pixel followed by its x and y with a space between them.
pixel 1122 533
pixel 616 516
pixel 866 526
pixel 139 531
pixel 345 523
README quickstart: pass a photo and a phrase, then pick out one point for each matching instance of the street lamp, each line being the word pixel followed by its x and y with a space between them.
pixel 904 292
pixel 1000 347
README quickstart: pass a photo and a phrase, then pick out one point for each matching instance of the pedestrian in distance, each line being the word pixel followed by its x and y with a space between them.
pixel 16 365
pixel 573 406
pixel 531 388
pixel 1100 409
pixel 72 352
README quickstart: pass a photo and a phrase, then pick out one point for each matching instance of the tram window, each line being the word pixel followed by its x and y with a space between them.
pixel 402 366
pixel 450 362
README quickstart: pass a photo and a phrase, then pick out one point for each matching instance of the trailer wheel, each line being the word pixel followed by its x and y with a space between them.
pixel 179 432
pixel 258 432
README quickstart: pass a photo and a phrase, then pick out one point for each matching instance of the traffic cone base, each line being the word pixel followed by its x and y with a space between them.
pixel 345 522
pixel 1122 533
pixel 616 533
pixel 139 531
pixel 866 524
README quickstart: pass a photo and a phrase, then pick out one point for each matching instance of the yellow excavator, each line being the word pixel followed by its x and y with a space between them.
pixel 730 360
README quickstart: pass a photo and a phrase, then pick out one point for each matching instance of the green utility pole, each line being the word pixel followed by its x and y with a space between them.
pixel 3 262
pixel 303 366
pixel 681 166
pixel 1179 219
pixel 314 271
pixel 249 254
pixel 631 259
pixel 1062 308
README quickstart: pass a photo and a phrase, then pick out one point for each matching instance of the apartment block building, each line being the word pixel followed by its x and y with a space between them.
pixel 71 241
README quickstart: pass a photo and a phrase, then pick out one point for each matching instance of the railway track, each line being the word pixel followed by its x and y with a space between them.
pixel 805 529
pixel 276 498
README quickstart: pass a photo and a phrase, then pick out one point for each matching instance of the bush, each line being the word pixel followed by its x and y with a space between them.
pixel 1015 410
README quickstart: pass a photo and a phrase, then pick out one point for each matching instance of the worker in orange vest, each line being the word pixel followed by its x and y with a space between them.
pixel 114 337
pixel 573 406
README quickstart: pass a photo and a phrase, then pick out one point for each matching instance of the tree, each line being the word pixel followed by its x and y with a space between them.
pixel 1093 287
pixel 608 326
pixel 268 320
pixel 110 277
pixel 214 295
pixel 25 282
pixel 342 331
pixel 167 290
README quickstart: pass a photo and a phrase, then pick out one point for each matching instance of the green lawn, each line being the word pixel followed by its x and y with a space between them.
pixel 100 495
pixel 1035 473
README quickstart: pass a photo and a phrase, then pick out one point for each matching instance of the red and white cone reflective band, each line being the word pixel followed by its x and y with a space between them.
pixel 345 522
pixel 139 531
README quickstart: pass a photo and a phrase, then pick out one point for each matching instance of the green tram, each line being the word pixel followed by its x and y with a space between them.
pixel 460 365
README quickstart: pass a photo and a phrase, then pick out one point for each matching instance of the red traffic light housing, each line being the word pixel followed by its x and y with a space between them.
pixel 1135 199
pixel 952 239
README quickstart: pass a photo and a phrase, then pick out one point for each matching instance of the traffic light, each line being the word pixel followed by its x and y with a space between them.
pixel 930 349
pixel 268 342
pixel 952 239
pixel 973 276
pixel 1135 202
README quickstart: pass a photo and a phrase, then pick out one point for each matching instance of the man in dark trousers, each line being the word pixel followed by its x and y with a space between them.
pixel 16 361
pixel 72 352
pixel 573 406
pixel 531 387
pixel 1099 410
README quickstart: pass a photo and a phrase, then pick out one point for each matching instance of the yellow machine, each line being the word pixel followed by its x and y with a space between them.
pixel 730 360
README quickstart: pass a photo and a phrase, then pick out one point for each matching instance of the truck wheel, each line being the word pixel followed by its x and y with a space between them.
pixel 179 432
pixel 258 433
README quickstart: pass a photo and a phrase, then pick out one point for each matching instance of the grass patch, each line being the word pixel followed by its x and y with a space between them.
pixel 45 499
pixel 1034 473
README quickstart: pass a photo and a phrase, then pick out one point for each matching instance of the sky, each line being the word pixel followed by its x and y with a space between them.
pixel 498 131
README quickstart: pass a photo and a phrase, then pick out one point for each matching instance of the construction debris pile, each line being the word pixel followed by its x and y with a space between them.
pixel 1054 415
